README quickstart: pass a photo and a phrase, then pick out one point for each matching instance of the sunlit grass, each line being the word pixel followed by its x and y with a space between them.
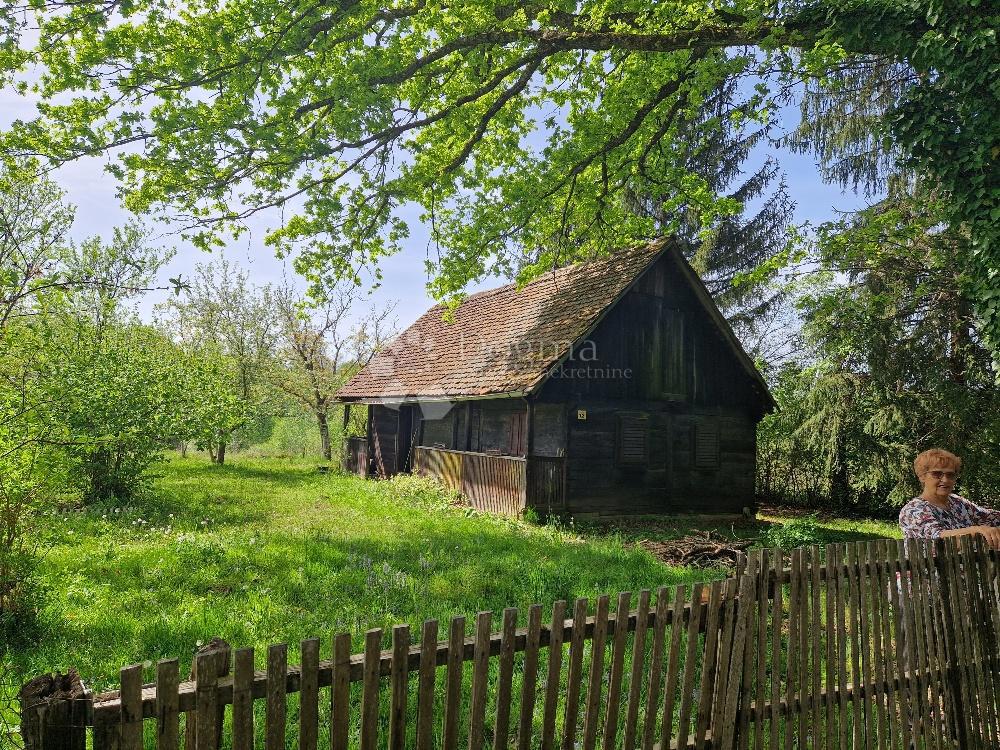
pixel 263 551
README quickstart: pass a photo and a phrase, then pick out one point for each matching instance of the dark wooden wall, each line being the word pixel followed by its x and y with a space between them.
pixel 658 358
pixel 383 436
pixel 497 425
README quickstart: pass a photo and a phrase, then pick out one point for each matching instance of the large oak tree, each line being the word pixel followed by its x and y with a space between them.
pixel 522 131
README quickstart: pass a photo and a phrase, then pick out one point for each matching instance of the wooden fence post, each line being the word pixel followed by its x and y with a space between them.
pixel 55 712
pixel 191 722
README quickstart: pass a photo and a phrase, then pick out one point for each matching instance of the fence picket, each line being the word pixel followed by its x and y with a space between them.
pixel 854 631
pixel 655 668
pixel 875 674
pixel 529 682
pixel 207 711
pixel 617 671
pixel 921 665
pixel 501 730
pixel 638 664
pixel 765 567
pixel 743 618
pixel 370 690
pixel 814 564
pixel 673 666
pixel 592 717
pixel 556 631
pixel 167 716
pixel 574 675
pixel 480 675
pixel 690 666
pixel 986 607
pixel 708 671
pixel 131 711
pixel 398 681
pixel 899 651
pixel 275 715
pixel 453 697
pixel 340 692
pixel 973 629
pixel 753 625
pixel 243 674
pixel 425 689
pixel 791 680
pixel 777 616
pixel 309 694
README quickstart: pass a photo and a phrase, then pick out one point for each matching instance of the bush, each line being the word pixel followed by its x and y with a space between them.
pixel 801 532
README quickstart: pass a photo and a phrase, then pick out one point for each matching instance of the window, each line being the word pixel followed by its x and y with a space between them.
pixel 706 444
pixel 633 440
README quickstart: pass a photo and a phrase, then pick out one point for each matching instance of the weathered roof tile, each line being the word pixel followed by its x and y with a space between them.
pixel 501 341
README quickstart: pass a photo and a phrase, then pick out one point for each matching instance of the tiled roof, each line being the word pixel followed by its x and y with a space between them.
pixel 501 341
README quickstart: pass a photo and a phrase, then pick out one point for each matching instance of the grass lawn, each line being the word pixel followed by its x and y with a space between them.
pixel 264 551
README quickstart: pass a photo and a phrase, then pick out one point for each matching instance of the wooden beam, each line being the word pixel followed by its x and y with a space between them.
pixel 529 438
pixel 468 426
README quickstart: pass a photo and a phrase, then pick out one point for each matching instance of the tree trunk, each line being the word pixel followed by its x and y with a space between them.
pixel 324 435
pixel 211 451
pixel 220 456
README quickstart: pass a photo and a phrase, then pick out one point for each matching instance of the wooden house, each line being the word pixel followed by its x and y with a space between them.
pixel 614 386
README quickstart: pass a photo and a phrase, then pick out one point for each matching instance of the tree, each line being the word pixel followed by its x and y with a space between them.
pixel 899 365
pixel 317 354
pixel 55 296
pixel 227 325
pixel 116 393
pixel 510 124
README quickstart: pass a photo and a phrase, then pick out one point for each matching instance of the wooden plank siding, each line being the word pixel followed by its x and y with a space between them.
pixel 505 485
pixel 701 661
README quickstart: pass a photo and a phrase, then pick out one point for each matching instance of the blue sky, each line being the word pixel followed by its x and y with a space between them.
pixel 93 193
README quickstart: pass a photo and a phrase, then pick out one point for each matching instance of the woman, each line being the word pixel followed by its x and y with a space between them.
pixel 939 512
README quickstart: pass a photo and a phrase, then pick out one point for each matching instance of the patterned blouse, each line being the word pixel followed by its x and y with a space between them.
pixel 920 519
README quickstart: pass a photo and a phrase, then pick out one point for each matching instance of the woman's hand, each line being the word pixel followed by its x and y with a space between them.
pixel 990 533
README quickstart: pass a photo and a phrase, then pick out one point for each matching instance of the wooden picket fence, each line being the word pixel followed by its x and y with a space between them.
pixel 865 645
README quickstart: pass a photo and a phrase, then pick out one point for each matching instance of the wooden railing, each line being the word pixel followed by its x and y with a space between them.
pixel 356 456
pixel 868 645
pixel 491 483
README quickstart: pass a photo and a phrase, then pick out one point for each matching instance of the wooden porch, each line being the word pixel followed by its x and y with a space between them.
pixel 497 484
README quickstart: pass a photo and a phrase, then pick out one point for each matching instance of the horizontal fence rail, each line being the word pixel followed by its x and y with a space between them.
pixel 866 645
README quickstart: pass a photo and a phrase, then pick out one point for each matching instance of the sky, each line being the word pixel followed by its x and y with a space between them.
pixel 98 211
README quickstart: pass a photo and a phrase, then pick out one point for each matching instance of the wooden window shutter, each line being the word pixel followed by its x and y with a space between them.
pixel 633 439
pixel 706 444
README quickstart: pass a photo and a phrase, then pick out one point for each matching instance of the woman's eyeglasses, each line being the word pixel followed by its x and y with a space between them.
pixel 939 474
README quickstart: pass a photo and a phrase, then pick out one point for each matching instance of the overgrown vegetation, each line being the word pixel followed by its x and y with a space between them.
pixel 892 362
pixel 90 396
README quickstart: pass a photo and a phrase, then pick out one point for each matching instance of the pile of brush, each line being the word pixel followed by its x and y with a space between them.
pixel 703 549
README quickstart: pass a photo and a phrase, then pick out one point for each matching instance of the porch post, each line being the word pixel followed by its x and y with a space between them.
pixel 347 416
pixel 468 426
pixel 529 449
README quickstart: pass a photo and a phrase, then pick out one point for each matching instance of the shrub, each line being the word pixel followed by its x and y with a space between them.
pixel 801 532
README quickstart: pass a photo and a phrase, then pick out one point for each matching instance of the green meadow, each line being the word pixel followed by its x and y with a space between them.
pixel 265 551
